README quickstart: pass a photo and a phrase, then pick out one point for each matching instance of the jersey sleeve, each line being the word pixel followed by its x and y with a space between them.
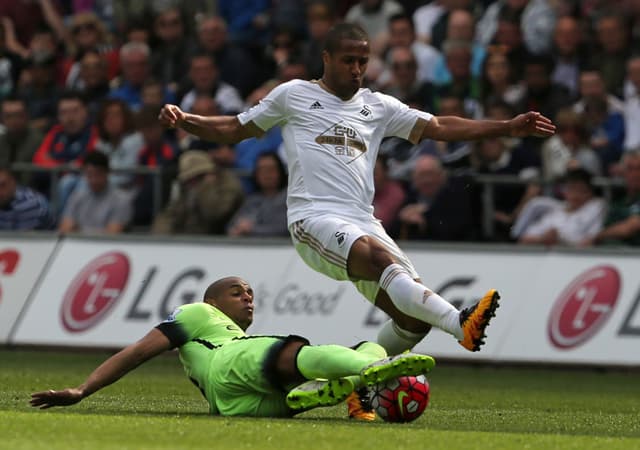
pixel 271 111
pixel 402 121
pixel 184 323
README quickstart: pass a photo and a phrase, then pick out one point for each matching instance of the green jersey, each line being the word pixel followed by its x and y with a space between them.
pixel 197 329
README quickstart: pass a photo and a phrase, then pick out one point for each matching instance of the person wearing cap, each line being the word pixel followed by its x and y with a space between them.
pixel 101 208
pixel 206 200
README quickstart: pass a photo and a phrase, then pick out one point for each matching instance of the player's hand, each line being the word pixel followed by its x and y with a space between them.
pixel 531 124
pixel 47 399
pixel 170 116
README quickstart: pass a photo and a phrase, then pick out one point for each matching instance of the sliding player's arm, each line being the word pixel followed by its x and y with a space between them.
pixel 110 371
pixel 219 129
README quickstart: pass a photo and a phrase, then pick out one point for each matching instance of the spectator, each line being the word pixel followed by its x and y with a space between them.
pixel 460 27
pixel 21 208
pixel 569 53
pixel 592 86
pixel 373 16
pixel 118 139
pixel 321 16
pixel 72 138
pixel 20 141
pixel 402 34
pixel 204 80
pixel 212 38
pixel 507 156
pixel 94 79
pixel 404 83
pixel 66 143
pixel 389 195
pixel 508 37
pixel 101 208
pixel 463 84
pixel 632 106
pixel 541 94
pixel 612 50
pixel 439 207
pixel 549 221
pixel 10 66
pixel 247 20
pixel 134 58
pixel 264 213
pixel 206 201
pixel 202 105
pixel 170 56
pixel 40 89
pixel 499 83
pixel 568 148
pixel 425 17
pixel 622 225
pixel 438 31
pixel 155 153
pixel 606 131
pixel 152 94
pixel 537 20
pixel 88 33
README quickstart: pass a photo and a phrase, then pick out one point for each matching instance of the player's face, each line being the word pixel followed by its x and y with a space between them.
pixel 236 301
pixel 344 69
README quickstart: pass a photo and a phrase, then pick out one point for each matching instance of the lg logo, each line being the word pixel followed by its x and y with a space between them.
pixel 94 291
pixel 584 307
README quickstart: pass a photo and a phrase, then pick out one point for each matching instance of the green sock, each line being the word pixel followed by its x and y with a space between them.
pixel 371 349
pixel 332 361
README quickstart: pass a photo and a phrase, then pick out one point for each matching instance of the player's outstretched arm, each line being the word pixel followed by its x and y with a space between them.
pixel 114 368
pixel 220 129
pixel 451 128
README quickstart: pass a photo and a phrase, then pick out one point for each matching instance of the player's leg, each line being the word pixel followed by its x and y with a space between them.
pixel 412 305
pixel 344 368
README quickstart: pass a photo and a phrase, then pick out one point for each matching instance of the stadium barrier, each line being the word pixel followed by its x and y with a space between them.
pixel 563 306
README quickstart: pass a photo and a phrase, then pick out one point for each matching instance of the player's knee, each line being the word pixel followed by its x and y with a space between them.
pixel 286 364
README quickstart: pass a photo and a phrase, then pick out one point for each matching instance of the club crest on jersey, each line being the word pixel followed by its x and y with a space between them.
pixel 365 111
pixel 344 140
pixel 172 317
pixel 340 237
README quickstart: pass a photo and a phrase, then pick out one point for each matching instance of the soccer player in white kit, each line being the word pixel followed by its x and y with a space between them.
pixel 332 129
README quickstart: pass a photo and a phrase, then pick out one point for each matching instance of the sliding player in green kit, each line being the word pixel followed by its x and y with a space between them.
pixel 239 374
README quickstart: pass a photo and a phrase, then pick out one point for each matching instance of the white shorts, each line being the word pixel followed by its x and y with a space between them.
pixel 324 243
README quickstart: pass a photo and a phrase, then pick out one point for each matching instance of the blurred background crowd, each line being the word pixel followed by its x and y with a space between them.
pixel 82 82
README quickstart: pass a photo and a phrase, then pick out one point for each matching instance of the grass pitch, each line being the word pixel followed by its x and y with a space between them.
pixel 156 407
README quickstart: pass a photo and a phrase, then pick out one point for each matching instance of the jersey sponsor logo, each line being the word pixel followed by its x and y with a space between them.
pixel 8 264
pixel 94 291
pixel 316 105
pixel 344 140
pixel 584 307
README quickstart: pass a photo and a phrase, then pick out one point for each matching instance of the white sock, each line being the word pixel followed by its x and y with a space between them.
pixel 395 340
pixel 416 300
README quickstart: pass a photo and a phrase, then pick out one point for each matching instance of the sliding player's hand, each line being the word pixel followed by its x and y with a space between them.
pixel 531 124
pixel 47 399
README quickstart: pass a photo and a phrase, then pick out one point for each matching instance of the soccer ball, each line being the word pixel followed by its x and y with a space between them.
pixel 401 399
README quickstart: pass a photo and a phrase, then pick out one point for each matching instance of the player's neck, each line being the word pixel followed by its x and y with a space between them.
pixel 323 84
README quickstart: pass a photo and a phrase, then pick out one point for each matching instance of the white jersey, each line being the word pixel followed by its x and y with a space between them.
pixel 331 145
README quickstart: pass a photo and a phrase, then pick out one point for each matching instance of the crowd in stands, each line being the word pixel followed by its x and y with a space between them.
pixel 82 83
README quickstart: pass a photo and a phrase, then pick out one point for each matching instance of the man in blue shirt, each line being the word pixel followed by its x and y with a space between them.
pixel 22 208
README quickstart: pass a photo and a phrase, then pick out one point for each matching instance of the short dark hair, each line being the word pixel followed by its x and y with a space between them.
pixel 97 159
pixel 72 95
pixel 282 171
pixel 401 17
pixel 579 175
pixel 342 31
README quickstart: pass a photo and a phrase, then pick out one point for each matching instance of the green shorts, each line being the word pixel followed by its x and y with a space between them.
pixel 242 379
